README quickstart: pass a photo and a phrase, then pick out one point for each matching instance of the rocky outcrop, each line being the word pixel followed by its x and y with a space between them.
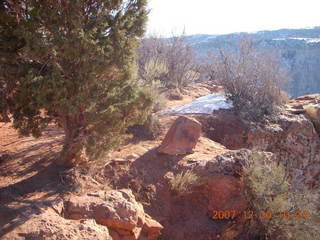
pixel 48 225
pixel 117 210
pixel 225 128
pixel 303 101
pixel 220 187
pixel 189 215
pixel 290 135
pixel 182 137
pixel 309 106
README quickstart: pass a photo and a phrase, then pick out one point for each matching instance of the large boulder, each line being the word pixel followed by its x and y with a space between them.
pixel 182 137
pixel 224 127
pixel 118 210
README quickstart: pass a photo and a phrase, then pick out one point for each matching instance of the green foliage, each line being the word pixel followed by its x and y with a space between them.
pixel 159 99
pixel 183 182
pixel 269 190
pixel 74 60
pixel 150 128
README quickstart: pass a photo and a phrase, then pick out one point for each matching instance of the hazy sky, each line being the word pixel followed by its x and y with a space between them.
pixel 226 16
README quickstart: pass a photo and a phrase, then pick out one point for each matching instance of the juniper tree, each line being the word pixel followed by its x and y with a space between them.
pixel 71 62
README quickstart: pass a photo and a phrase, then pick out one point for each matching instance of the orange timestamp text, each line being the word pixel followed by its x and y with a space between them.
pixel 249 214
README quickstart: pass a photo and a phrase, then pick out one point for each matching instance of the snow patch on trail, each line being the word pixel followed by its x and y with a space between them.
pixel 206 105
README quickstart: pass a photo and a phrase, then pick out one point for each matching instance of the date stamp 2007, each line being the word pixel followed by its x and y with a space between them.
pixel 248 214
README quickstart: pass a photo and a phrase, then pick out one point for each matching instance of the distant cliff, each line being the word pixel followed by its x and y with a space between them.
pixel 299 48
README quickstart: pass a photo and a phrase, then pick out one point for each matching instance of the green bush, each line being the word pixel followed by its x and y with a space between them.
pixel 269 189
pixel 75 60
pixel 154 70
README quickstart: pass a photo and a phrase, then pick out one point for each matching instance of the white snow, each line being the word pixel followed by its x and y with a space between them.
pixel 307 40
pixel 205 105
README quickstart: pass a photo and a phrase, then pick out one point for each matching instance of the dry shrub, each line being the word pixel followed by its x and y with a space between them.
pixel 172 61
pixel 269 190
pixel 183 182
pixel 154 70
pixel 252 79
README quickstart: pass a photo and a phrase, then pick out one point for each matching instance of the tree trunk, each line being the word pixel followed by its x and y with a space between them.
pixel 73 152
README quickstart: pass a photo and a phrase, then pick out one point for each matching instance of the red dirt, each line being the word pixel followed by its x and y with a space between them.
pixel 30 176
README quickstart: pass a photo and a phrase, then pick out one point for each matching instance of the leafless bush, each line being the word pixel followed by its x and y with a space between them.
pixel 252 79
pixel 152 64
pixel 169 61
pixel 182 65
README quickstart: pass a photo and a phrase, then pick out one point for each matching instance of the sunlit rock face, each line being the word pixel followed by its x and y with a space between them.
pixel 117 210
pixel 291 135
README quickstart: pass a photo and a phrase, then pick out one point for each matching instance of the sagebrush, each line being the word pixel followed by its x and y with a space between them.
pixel 268 189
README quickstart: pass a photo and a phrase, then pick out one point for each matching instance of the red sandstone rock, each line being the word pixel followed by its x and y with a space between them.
pixel 226 128
pixel 182 137
pixel 292 137
pixel 51 226
pixel 117 210
pixel 220 187
pixel 152 228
